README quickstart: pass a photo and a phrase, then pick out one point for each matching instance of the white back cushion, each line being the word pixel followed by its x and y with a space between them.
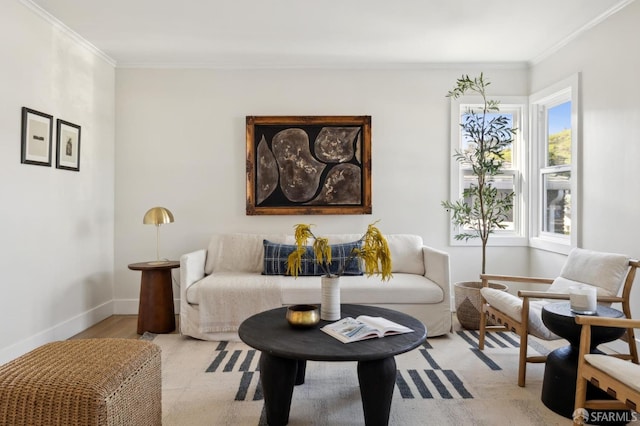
pixel 245 252
pixel 406 250
pixel 333 238
pixel 238 252
pixel 603 270
pixel 406 253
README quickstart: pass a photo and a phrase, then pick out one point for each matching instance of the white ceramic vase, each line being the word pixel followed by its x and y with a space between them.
pixel 330 298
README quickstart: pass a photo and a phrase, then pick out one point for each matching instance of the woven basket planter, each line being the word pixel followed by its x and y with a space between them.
pixel 468 303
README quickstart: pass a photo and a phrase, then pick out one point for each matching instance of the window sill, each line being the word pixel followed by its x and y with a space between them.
pixel 556 246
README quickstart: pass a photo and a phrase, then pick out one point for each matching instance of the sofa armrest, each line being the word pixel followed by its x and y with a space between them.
pixel 436 266
pixel 191 270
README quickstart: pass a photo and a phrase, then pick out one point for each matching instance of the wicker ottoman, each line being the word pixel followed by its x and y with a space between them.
pixel 83 382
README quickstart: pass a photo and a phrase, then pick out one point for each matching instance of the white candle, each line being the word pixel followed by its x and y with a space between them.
pixel 583 300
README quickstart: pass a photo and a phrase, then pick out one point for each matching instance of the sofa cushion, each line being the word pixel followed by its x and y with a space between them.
pixel 275 259
pixel 276 255
pixel 244 281
pixel 406 250
pixel 402 288
pixel 244 252
pixel 236 253
pixel 406 253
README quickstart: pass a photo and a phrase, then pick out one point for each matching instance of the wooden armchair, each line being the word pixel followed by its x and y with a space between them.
pixel 620 379
pixel 522 314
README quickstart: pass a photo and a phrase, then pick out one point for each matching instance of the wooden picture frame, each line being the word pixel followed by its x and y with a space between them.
pixel 308 165
pixel 68 146
pixel 37 129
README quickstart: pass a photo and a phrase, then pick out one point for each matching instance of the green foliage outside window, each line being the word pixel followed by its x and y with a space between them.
pixel 560 148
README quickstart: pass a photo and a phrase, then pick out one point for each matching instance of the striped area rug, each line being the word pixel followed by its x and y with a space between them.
pixel 427 383
pixel 445 381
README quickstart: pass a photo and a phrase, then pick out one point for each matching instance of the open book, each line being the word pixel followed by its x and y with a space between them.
pixel 363 327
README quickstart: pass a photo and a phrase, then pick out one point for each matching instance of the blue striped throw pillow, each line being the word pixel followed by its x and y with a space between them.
pixel 275 259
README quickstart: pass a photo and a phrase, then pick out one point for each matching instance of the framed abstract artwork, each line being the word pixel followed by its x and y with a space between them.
pixel 68 146
pixel 308 165
pixel 37 129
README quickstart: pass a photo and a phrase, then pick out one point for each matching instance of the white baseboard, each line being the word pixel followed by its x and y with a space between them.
pixel 60 331
pixel 130 306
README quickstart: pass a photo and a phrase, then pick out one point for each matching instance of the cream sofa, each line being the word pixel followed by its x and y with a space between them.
pixel 224 284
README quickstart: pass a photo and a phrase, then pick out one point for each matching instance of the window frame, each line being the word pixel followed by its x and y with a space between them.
pixel 565 90
pixel 518 106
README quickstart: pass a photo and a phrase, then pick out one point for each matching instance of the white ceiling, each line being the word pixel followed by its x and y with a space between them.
pixel 327 33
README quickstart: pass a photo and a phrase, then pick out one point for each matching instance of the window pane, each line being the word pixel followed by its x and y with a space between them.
pixel 466 140
pixel 559 134
pixel 504 184
pixel 557 203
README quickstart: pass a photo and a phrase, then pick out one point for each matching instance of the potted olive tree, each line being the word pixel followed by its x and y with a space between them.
pixel 487 137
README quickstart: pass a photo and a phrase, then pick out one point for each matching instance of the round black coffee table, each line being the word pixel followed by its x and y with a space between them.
pixel 560 372
pixel 285 351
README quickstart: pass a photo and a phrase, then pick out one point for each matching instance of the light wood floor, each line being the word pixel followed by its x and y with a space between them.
pixel 125 327
pixel 120 326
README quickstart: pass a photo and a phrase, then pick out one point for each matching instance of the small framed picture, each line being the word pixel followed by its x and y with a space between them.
pixel 37 129
pixel 68 152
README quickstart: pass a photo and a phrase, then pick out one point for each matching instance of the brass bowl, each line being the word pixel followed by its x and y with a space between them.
pixel 303 316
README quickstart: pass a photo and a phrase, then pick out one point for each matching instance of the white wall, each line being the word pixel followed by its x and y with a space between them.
pixel 56 225
pixel 608 58
pixel 180 143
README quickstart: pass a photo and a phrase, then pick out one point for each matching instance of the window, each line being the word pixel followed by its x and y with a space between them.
pixel 555 143
pixel 512 180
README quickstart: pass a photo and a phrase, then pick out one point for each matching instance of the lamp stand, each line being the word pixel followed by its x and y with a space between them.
pixel 158 261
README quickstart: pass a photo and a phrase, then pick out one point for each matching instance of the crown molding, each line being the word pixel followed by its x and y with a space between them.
pixel 602 17
pixel 328 66
pixel 75 37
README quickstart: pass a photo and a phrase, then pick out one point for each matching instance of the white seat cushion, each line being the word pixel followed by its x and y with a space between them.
pixel 506 303
pixel 625 371
pixel 401 288
pixel 536 326
pixel 511 306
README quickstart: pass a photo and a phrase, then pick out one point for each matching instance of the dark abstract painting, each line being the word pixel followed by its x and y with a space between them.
pixel 308 165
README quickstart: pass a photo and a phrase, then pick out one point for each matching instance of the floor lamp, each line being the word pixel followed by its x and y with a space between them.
pixel 157 216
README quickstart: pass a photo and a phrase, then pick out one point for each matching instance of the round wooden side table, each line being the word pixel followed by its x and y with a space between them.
pixel 155 312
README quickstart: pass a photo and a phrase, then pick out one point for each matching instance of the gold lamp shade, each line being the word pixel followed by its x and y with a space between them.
pixel 157 216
